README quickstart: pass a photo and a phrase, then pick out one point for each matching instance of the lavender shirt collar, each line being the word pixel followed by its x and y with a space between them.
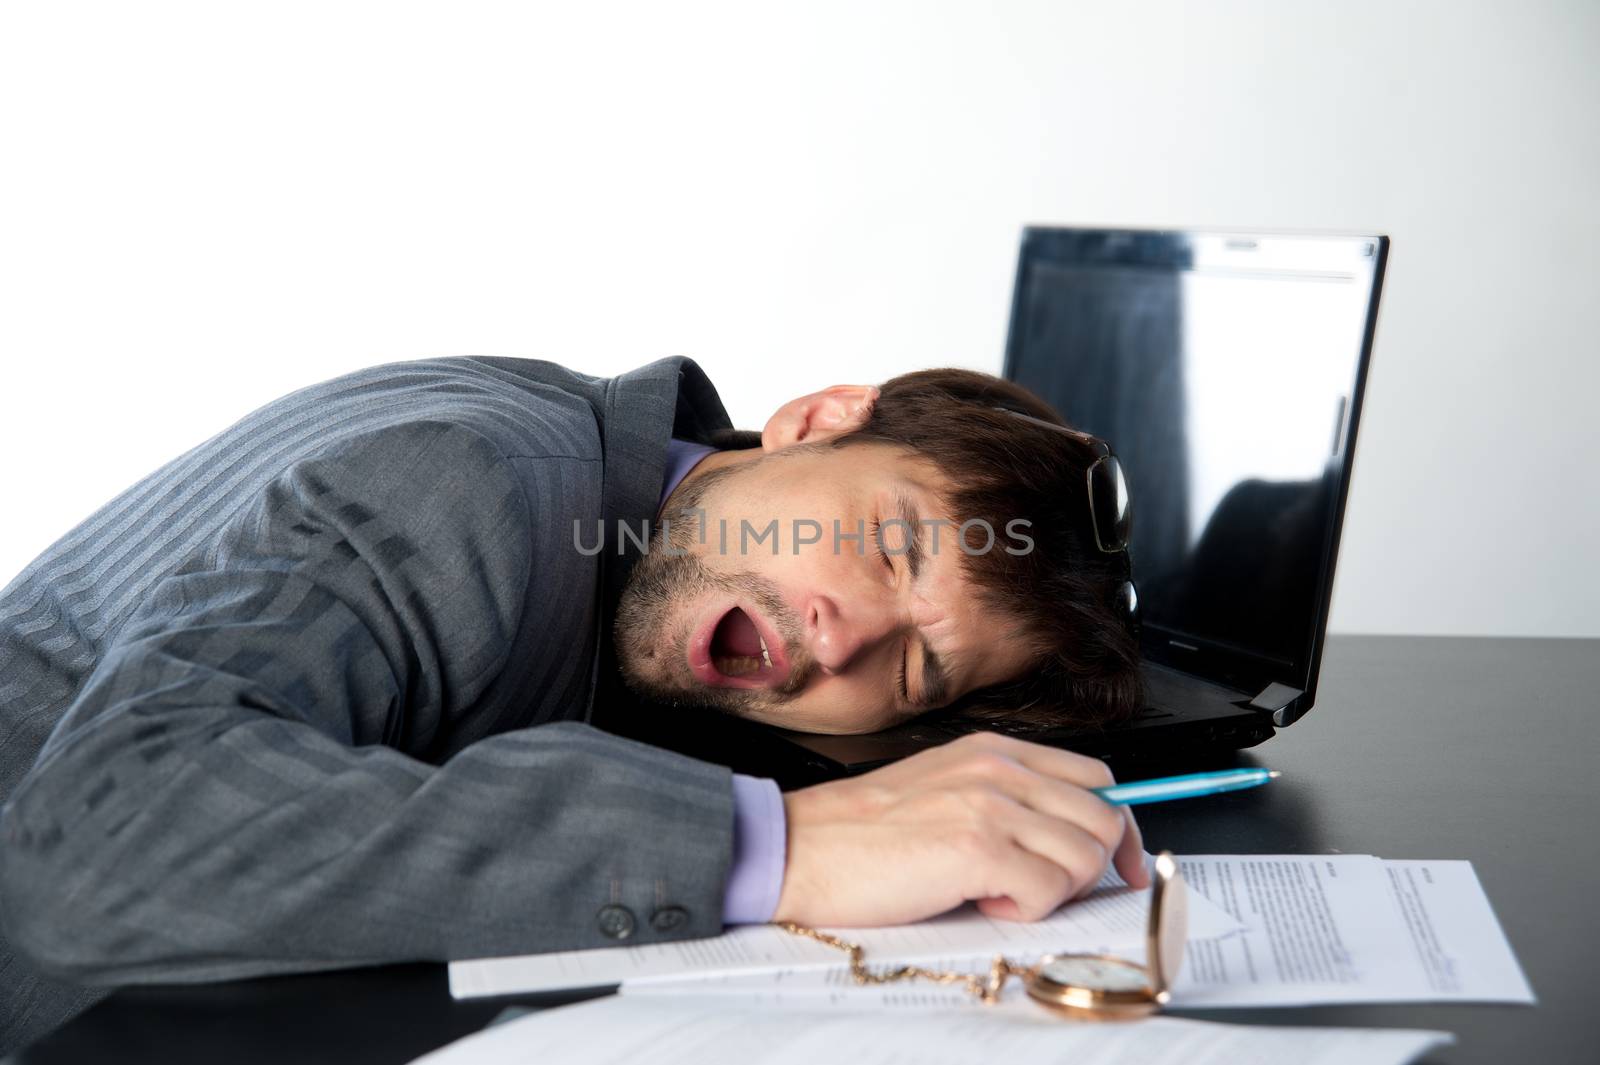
pixel 682 456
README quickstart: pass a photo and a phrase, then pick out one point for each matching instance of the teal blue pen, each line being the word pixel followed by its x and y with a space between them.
pixel 1185 787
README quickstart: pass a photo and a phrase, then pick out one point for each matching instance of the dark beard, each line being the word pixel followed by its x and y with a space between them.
pixel 652 653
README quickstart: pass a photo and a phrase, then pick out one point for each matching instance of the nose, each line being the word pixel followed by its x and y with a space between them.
pixel 839 633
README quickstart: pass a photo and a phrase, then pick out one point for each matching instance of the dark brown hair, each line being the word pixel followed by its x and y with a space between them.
pixel 1061 591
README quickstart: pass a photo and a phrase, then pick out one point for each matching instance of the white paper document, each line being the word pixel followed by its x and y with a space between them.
pixel 687 1030
pixel 1111 919
pixel 1311 929
pixel 1345 928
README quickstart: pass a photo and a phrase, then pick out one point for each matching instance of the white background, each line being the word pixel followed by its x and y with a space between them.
pixel 205 205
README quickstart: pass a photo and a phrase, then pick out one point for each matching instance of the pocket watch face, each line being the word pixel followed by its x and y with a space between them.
pixel 1101 974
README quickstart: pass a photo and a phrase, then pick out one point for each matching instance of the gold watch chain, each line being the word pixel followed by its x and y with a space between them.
pixel 986 989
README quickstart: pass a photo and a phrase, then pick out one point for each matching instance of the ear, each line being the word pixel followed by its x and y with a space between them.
pixel 819 416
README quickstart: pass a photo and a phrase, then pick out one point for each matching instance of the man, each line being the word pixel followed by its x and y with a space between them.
pixel 314 694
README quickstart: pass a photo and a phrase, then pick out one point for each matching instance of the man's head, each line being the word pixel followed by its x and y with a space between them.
pixel 885 552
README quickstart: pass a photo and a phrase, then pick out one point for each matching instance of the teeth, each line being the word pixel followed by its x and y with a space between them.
pixel 744 665
pixel 737 665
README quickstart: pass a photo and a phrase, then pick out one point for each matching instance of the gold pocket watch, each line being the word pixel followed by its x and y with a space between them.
pixel 1081 986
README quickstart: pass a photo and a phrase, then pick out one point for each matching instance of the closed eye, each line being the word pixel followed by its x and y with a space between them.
pixel 905 646
pixel 877 545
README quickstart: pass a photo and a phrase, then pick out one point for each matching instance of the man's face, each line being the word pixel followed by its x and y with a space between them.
pixel 833 635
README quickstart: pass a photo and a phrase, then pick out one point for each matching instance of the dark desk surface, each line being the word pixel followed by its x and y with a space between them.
pixel 1418 748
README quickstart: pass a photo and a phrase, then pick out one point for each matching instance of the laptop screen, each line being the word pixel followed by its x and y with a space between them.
pixel 1225 370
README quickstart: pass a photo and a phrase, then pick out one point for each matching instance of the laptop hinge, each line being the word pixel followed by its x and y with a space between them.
pixel 1276 699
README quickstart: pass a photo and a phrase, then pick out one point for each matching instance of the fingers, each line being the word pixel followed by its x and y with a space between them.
pixel 1048 795
pixel 1076 852
pixel 1130 857
pixel 1004 907
pixel 1009 823
pixel 1081 852
pixel 1034 885
pixel 1125 841
pixel 1055 782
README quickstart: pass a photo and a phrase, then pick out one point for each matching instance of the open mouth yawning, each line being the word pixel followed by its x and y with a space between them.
pixel 737 648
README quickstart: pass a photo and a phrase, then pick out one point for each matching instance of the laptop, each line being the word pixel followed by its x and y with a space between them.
pixel 1226 370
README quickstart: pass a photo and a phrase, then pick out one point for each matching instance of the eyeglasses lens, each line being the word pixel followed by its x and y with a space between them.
pixel 1108 496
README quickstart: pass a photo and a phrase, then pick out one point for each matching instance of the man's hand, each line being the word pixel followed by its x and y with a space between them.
pixel 987 817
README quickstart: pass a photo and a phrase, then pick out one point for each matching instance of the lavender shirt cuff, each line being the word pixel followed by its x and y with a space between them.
pixel 760 844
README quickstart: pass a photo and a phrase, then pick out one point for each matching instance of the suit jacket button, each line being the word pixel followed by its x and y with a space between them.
pixel 669 918
pixel 615 922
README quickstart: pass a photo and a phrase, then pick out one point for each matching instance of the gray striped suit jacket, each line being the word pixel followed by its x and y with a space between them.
pixel 314 694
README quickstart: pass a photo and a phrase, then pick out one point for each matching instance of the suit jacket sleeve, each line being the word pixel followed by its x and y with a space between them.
pixel 227 797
